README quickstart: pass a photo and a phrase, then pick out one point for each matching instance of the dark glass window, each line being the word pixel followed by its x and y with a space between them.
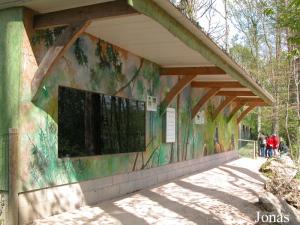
pixel 94 124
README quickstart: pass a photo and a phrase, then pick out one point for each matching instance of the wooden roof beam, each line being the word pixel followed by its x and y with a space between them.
pixel 90 12
pixel 176 90
pixel 219 84
pixel 245 112
pixel 211 93
pixel 235 93
pixel 221 107
pixel 257 103
pixel 54 53
pixel 187 71
pixel 235 110
pixel 249 100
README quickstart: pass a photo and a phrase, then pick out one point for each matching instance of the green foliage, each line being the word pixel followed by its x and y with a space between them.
pixel 79 53
pixel 297 175
pixel 140 87
pixel 210 109
pixel 265 168
pixel 247 150
pixel 108 57
pixel 242 54
pixel 289 18
pixel 47 36
pixel 268 11
pixel 109 61
pixel 44 152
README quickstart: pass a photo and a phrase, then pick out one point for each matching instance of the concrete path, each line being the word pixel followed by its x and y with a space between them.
pixel 220 196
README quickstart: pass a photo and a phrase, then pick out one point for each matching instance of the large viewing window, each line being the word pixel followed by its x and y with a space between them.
pixel 95 124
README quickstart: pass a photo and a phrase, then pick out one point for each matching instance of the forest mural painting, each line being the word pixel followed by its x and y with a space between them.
pixel 94 65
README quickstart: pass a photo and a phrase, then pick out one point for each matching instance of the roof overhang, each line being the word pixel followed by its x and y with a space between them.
pixel 157 31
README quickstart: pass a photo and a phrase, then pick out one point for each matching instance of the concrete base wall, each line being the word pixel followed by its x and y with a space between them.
pixel 46 202
pixel 3 208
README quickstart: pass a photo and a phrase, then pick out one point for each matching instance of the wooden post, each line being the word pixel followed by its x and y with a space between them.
pixel 254 151
pixel 13 206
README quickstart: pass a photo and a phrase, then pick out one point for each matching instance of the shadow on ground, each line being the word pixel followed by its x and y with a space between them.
pixel 219 196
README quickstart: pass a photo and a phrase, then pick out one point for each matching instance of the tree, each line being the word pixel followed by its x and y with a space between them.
pixel 203 13
pixel 290 19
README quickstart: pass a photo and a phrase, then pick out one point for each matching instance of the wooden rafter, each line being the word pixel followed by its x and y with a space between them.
pixel 235 93
pixel 245 112
pixel 211 93
pixel 54 53
pixel 225 84
pixel 235 110
pixel 187 71
pixel 75 15
pixel 176 90
pixel 257 103
pixel 249 100
pixel 222 105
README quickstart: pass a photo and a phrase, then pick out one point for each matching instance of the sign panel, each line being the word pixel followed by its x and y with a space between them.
pixel 170 125
pixel 151 103
pixel 200 117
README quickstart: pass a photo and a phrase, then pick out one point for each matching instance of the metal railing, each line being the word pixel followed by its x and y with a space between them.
pixel 247 148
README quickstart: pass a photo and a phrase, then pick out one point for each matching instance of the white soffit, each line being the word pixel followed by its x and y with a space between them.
pixel 146 38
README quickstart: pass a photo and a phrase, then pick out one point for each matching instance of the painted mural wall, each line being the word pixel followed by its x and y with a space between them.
pixel 95 65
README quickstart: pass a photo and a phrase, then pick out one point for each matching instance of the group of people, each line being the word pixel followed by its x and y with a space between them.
pixel 271 146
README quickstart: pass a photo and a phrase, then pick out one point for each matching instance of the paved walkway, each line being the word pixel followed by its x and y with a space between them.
pixel 220 196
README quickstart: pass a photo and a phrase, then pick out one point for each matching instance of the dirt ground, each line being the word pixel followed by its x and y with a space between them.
pixel 219 196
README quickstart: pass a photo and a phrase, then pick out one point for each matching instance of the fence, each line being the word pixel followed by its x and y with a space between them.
pixel 4 182
pixel 247 148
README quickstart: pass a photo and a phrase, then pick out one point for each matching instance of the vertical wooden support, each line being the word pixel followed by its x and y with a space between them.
pixel 61 45
pixel 245 112
pixel 211 93
pixel 177 89
pixel 236 109
pixel 222 106
pixel 13 177
pixel 254 150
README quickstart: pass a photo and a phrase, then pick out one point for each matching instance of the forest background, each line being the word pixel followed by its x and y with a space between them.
pixel 264 37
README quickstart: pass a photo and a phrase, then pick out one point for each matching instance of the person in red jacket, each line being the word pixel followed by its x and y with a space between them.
pixel 269 146
pixel 275 140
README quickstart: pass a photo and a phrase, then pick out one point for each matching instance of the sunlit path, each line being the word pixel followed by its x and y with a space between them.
pixel 222 195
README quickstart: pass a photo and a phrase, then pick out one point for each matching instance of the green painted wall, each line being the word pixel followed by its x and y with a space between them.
pixel 11 34
pixel 92 64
